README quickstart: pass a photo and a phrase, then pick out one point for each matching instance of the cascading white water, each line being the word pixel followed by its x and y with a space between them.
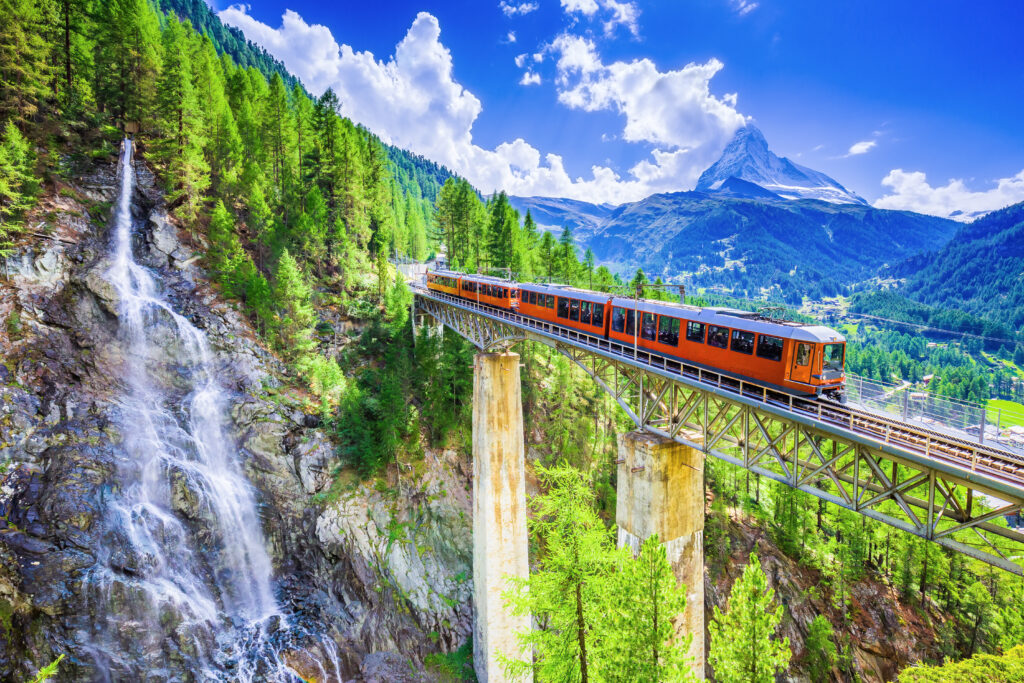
pixel 207 583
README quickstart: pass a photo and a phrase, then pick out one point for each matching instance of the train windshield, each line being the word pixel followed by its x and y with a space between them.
pixel 834 357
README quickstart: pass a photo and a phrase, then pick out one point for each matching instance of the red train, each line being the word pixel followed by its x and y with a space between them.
pixel 805 360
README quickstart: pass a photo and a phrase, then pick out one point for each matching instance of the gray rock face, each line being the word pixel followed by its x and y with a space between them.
pixel 380 580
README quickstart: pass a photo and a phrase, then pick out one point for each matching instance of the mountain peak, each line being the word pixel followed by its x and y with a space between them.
pixel 747 158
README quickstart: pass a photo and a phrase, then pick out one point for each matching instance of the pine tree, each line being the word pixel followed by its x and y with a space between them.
pixel 637 631
pixel 24 61
pixel 296 317
pixel 565 595
pixel 821 650
pixel 127 58
pixel 547 253
pixel 567 255
pixel 503 245
pixel 18 182
pixel 743 646
pixel 588 264
pixel 181 148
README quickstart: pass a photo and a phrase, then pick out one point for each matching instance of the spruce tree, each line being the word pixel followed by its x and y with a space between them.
pixel 821 650
pixel 637 631
pixel 181 147
pixel 566 593
pixel 18 182
pixel 24 61
pixel 296 317
pixel 744 648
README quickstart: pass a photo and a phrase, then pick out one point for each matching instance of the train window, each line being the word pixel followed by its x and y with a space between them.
pixel 718 336
pixel 668 330
pixel 599 315
pixel 533 297
pixel 834 357
pixel 549 300
pixel 630 326
pixel 585 312
pixel 574 310
pixel 695 332
pixel 803 354
pixel 769 347
pixel 742 342
pixel 563 307
pixel 618 319
pixel 648 329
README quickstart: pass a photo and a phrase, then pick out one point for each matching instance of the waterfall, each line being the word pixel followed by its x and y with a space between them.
pixel 189 592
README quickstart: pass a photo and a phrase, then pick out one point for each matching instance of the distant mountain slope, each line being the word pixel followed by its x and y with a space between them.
pixel 228 39
pixel 800 247
pixel 408 169
pixel 747 158
pixel 980 270
pixel 553 213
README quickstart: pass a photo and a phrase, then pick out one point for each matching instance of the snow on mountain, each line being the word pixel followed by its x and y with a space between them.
pixel 747 158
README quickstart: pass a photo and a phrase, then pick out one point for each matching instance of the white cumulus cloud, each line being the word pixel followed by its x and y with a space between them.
pixel 511 37
pixel 530 78
pixel 511 9
pixel 912 192
pixel 625 14
pixel 412 100
pixel 672 109
pixel 862 147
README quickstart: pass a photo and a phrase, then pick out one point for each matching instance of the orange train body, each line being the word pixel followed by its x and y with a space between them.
pixel 793 357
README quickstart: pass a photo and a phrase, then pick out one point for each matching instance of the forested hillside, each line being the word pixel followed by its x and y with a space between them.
pixel 979 271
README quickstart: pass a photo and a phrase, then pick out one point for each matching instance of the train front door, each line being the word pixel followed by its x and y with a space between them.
pixel 801 369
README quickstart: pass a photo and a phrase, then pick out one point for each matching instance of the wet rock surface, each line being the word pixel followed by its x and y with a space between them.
pixel 381 575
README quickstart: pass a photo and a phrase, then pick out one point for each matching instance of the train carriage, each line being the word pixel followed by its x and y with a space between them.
pixel 797 358
pixel 446 281
pixel 788 356
pixel 488 290
pixel 577 308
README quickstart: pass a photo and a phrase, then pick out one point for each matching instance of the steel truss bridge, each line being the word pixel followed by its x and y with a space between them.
pixel 940 487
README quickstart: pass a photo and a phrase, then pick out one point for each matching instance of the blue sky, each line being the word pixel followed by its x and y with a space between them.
pixel 610 100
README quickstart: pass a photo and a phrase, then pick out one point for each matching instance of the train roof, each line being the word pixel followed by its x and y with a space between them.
pixel 445 272
pixel 566 290
pixel 490 279
pixel 736 319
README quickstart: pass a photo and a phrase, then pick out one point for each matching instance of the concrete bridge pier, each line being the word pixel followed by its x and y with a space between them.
pixel 499 509
pixel 661 491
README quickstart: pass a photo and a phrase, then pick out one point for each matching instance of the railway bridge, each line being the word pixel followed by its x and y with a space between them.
pixel 941 486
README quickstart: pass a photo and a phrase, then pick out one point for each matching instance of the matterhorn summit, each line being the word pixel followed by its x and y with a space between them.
pixel 747 162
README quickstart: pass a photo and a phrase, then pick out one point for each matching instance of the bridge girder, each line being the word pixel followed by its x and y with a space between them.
pixel 957 507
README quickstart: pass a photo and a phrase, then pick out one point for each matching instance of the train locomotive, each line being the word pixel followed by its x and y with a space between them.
pixel 795 358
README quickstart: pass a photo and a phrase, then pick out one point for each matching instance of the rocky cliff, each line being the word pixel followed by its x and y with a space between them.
pixel 378 578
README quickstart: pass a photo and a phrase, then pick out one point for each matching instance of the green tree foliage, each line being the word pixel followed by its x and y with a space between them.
pixel 293 326
pixel 24 60
pixel 566 592
pixel 128 59
pixel 1008 668
pixel 638 640
pixel 821 650
pixel 603 615
pixel 744 648
pixel 18 183
pixel 48 671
